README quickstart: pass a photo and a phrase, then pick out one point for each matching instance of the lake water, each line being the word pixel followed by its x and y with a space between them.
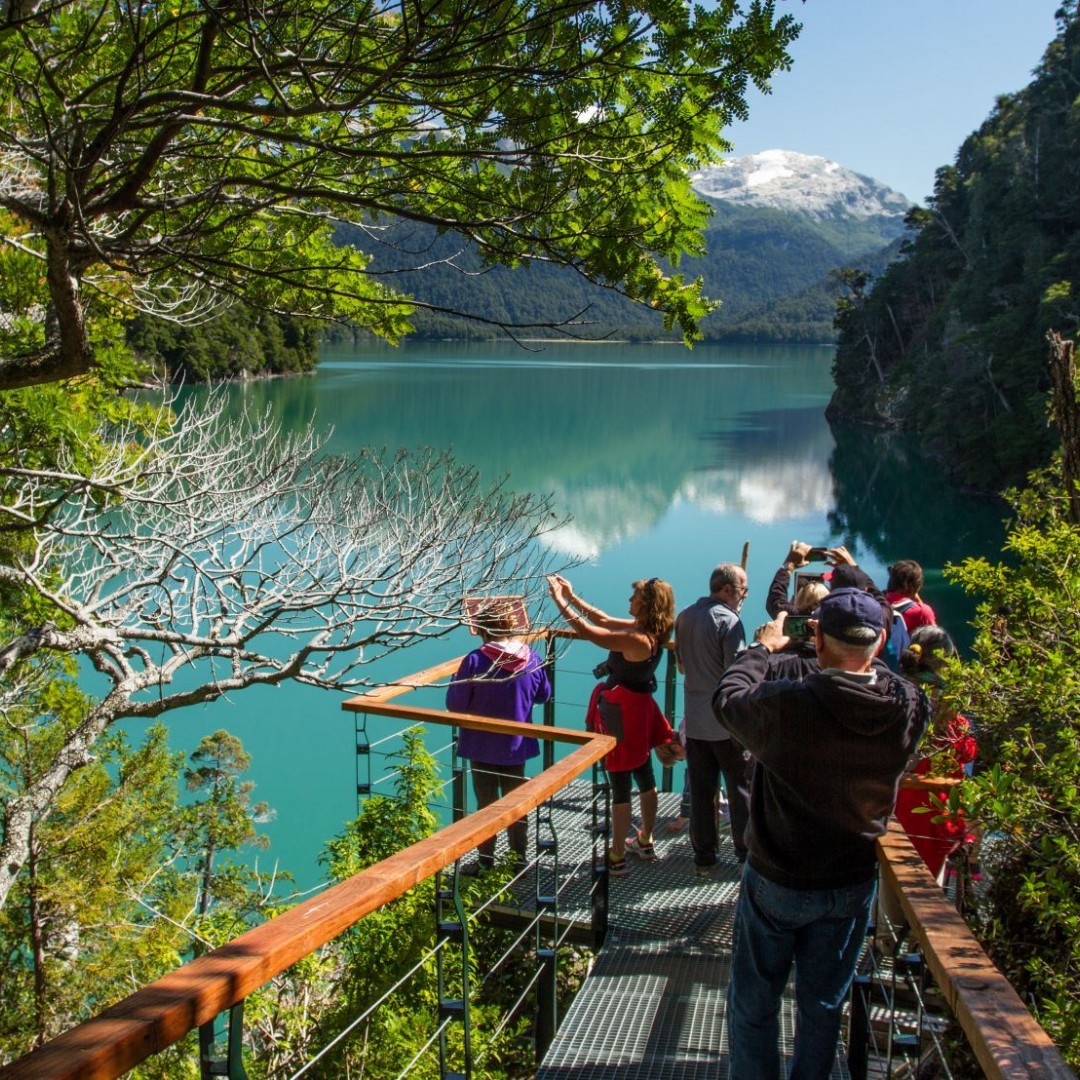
pixel 668 462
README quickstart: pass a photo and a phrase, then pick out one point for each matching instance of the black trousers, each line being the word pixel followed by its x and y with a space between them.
pixel 491 782
pixel 706 761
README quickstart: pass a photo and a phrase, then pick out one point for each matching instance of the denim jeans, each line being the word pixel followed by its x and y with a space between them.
pixel 820 931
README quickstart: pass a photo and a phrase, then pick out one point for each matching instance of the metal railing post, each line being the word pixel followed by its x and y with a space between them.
pixel 547 910
pixel 601 830
pixel 669 712
pixel 452 927
pixel 232 1064
pixel 457 781
pixel 858 1056
pixel 363 754
pixel 549 705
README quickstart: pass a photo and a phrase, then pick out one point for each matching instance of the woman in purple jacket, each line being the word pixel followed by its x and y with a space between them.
pixel 504 679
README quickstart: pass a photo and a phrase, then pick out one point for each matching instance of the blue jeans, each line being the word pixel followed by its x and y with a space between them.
pixel 821 932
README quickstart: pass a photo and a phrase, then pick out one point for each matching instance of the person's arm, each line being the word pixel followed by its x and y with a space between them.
pixel 839 556
pixel 543 682
pixel 778 591
pixel 736 701
pixel 597 617
pixel 459 692
pixel 618 635
pixel 732 641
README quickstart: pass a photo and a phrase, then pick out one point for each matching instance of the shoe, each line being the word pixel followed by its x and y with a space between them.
pixel 617 867
pixel 637 846
pixel 706 870
pixel 676 824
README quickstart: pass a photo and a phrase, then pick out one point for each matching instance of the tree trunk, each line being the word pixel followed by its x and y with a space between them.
pixel 1065 411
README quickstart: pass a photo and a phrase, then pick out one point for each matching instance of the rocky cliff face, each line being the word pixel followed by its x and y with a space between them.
pixel 800 183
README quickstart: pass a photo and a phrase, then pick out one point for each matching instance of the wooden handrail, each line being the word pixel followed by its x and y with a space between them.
pixel 1007 1040
pixel 163 1012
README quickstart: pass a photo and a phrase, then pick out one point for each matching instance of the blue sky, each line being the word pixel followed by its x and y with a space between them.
pixel 891 88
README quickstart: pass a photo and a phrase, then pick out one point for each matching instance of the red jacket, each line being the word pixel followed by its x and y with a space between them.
pixel 634 719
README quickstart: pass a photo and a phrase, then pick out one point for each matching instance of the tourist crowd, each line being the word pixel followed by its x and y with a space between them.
pixel 801 737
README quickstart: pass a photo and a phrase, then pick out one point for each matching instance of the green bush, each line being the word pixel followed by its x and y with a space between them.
pixel 1023 691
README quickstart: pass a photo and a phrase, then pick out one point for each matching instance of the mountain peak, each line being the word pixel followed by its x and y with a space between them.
pixel 800 183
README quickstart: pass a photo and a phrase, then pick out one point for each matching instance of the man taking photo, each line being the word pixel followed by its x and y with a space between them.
pixel 830 748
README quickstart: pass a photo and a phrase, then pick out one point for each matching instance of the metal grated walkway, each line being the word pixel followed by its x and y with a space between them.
pixel 653 1007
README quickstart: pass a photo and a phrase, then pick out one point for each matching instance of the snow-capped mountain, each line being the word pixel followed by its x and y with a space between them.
pixel 799 183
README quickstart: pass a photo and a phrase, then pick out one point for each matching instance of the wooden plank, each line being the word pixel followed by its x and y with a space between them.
pixel 412 682
pixel 929 783
pixel 467 720
pixel 163 1012
pixel 1007 1040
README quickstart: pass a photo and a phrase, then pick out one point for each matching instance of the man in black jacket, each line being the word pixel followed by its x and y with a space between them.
pixel 830 748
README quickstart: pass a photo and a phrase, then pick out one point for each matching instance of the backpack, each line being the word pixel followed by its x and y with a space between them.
pixel 899 638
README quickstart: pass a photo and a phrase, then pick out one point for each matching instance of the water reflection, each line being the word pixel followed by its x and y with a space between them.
pixel 668 461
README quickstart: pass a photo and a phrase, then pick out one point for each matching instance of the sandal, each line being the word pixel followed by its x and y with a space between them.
pixel 616 866
pixel 645 852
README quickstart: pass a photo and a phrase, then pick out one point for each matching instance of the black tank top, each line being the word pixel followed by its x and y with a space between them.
pixel 636 675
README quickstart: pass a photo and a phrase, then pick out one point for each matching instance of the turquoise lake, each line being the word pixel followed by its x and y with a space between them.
pixel 667 460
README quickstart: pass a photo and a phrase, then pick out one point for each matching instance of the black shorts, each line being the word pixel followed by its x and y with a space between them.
pixel 620 781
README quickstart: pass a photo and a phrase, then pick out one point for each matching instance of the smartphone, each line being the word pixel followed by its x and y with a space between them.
pixel 797 626
pixel 817 554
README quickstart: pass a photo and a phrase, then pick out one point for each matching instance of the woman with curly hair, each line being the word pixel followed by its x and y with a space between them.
pixel 623 705
pixel 948 747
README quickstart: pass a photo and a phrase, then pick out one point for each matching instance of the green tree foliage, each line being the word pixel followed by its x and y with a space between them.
pixel 300 1012
pixel 237 343
pixel 171 158
pixel 949 340
pixel 1023 691
pixel 769 267
pixel 221 818
pixel 113 896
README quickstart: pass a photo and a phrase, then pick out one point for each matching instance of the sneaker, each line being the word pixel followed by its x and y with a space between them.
pixel 617 867
pixel 638 847
pixel 706 870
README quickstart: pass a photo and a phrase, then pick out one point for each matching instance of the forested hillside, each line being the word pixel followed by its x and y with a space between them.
pixel 238 343
pixel 769 269
pixel 950 340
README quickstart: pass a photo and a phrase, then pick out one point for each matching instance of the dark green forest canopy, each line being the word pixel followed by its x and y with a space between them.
pixel 950 340
pixel 172 159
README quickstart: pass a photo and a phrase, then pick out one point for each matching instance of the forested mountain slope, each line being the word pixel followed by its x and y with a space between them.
pixel 782 222
pixel 950 339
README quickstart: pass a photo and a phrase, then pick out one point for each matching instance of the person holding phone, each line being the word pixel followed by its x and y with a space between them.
pixel 830 749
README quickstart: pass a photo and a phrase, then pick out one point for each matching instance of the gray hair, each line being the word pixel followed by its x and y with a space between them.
pixel 856 650
pixel 727 573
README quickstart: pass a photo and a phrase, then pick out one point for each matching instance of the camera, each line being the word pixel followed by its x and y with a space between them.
pixel 797 626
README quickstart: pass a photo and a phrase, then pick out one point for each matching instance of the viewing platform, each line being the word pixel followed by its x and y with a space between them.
pixel 652 1005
